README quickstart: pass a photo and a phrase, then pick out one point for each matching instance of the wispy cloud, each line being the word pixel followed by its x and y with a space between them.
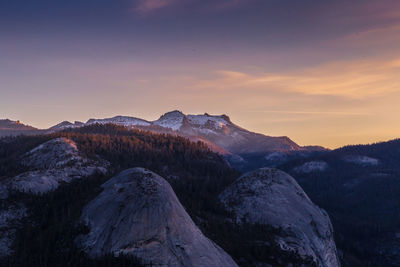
pixel 145 7
pixel 353 79
pixel 378 38
pixel 228 4
pixel 312 112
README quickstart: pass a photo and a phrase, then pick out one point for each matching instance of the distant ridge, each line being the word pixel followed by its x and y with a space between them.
pixel 12 128
pixel 217 131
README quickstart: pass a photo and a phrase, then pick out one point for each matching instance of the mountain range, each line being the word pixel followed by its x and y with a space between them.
pixel 238 145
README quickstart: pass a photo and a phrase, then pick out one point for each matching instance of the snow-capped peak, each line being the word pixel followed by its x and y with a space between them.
pixel 66 124
pixel 120 120
pixel 62 125
pixel 201 120
pixel 172 120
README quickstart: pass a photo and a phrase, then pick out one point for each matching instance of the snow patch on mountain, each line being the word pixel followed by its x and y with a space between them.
pixel 120 120
pixel 139 214
pixel 312 166
pixel 272 197
pixel 202 120
pixel 172 120
pixel 362 160
pixel 276 157
pixel 63 125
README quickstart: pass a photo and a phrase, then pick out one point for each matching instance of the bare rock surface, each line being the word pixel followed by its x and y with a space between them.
pixel 139 214
pixel 270 196
pixel 54 162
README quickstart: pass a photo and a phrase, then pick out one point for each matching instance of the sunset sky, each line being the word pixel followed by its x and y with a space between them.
pixel 320 72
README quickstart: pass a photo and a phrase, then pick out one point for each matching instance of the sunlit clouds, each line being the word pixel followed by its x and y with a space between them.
pixel 320 72
pixel 348 79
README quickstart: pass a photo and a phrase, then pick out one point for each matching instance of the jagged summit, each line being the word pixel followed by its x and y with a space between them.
pixel 202 120
pixel 172 120
pixel 173 113
pixel 223 116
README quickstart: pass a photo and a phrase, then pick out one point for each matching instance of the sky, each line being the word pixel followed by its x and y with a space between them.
pixel 321 72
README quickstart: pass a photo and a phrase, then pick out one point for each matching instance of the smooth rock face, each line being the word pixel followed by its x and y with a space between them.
pixel 139 214
pixel 270 196
pixel 55 161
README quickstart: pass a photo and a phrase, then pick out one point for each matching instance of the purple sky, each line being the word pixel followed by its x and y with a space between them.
pixel 321 72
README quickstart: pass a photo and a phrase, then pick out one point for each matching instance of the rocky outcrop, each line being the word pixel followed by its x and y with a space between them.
pixel 270 196
pixel 53 163
pixel 139 214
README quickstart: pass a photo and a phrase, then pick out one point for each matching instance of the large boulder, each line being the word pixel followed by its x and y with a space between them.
pixel 138 214
pixel 272 197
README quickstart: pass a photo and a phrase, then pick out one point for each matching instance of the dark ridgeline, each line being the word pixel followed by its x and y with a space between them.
pixel 360 189
pixel 13 128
